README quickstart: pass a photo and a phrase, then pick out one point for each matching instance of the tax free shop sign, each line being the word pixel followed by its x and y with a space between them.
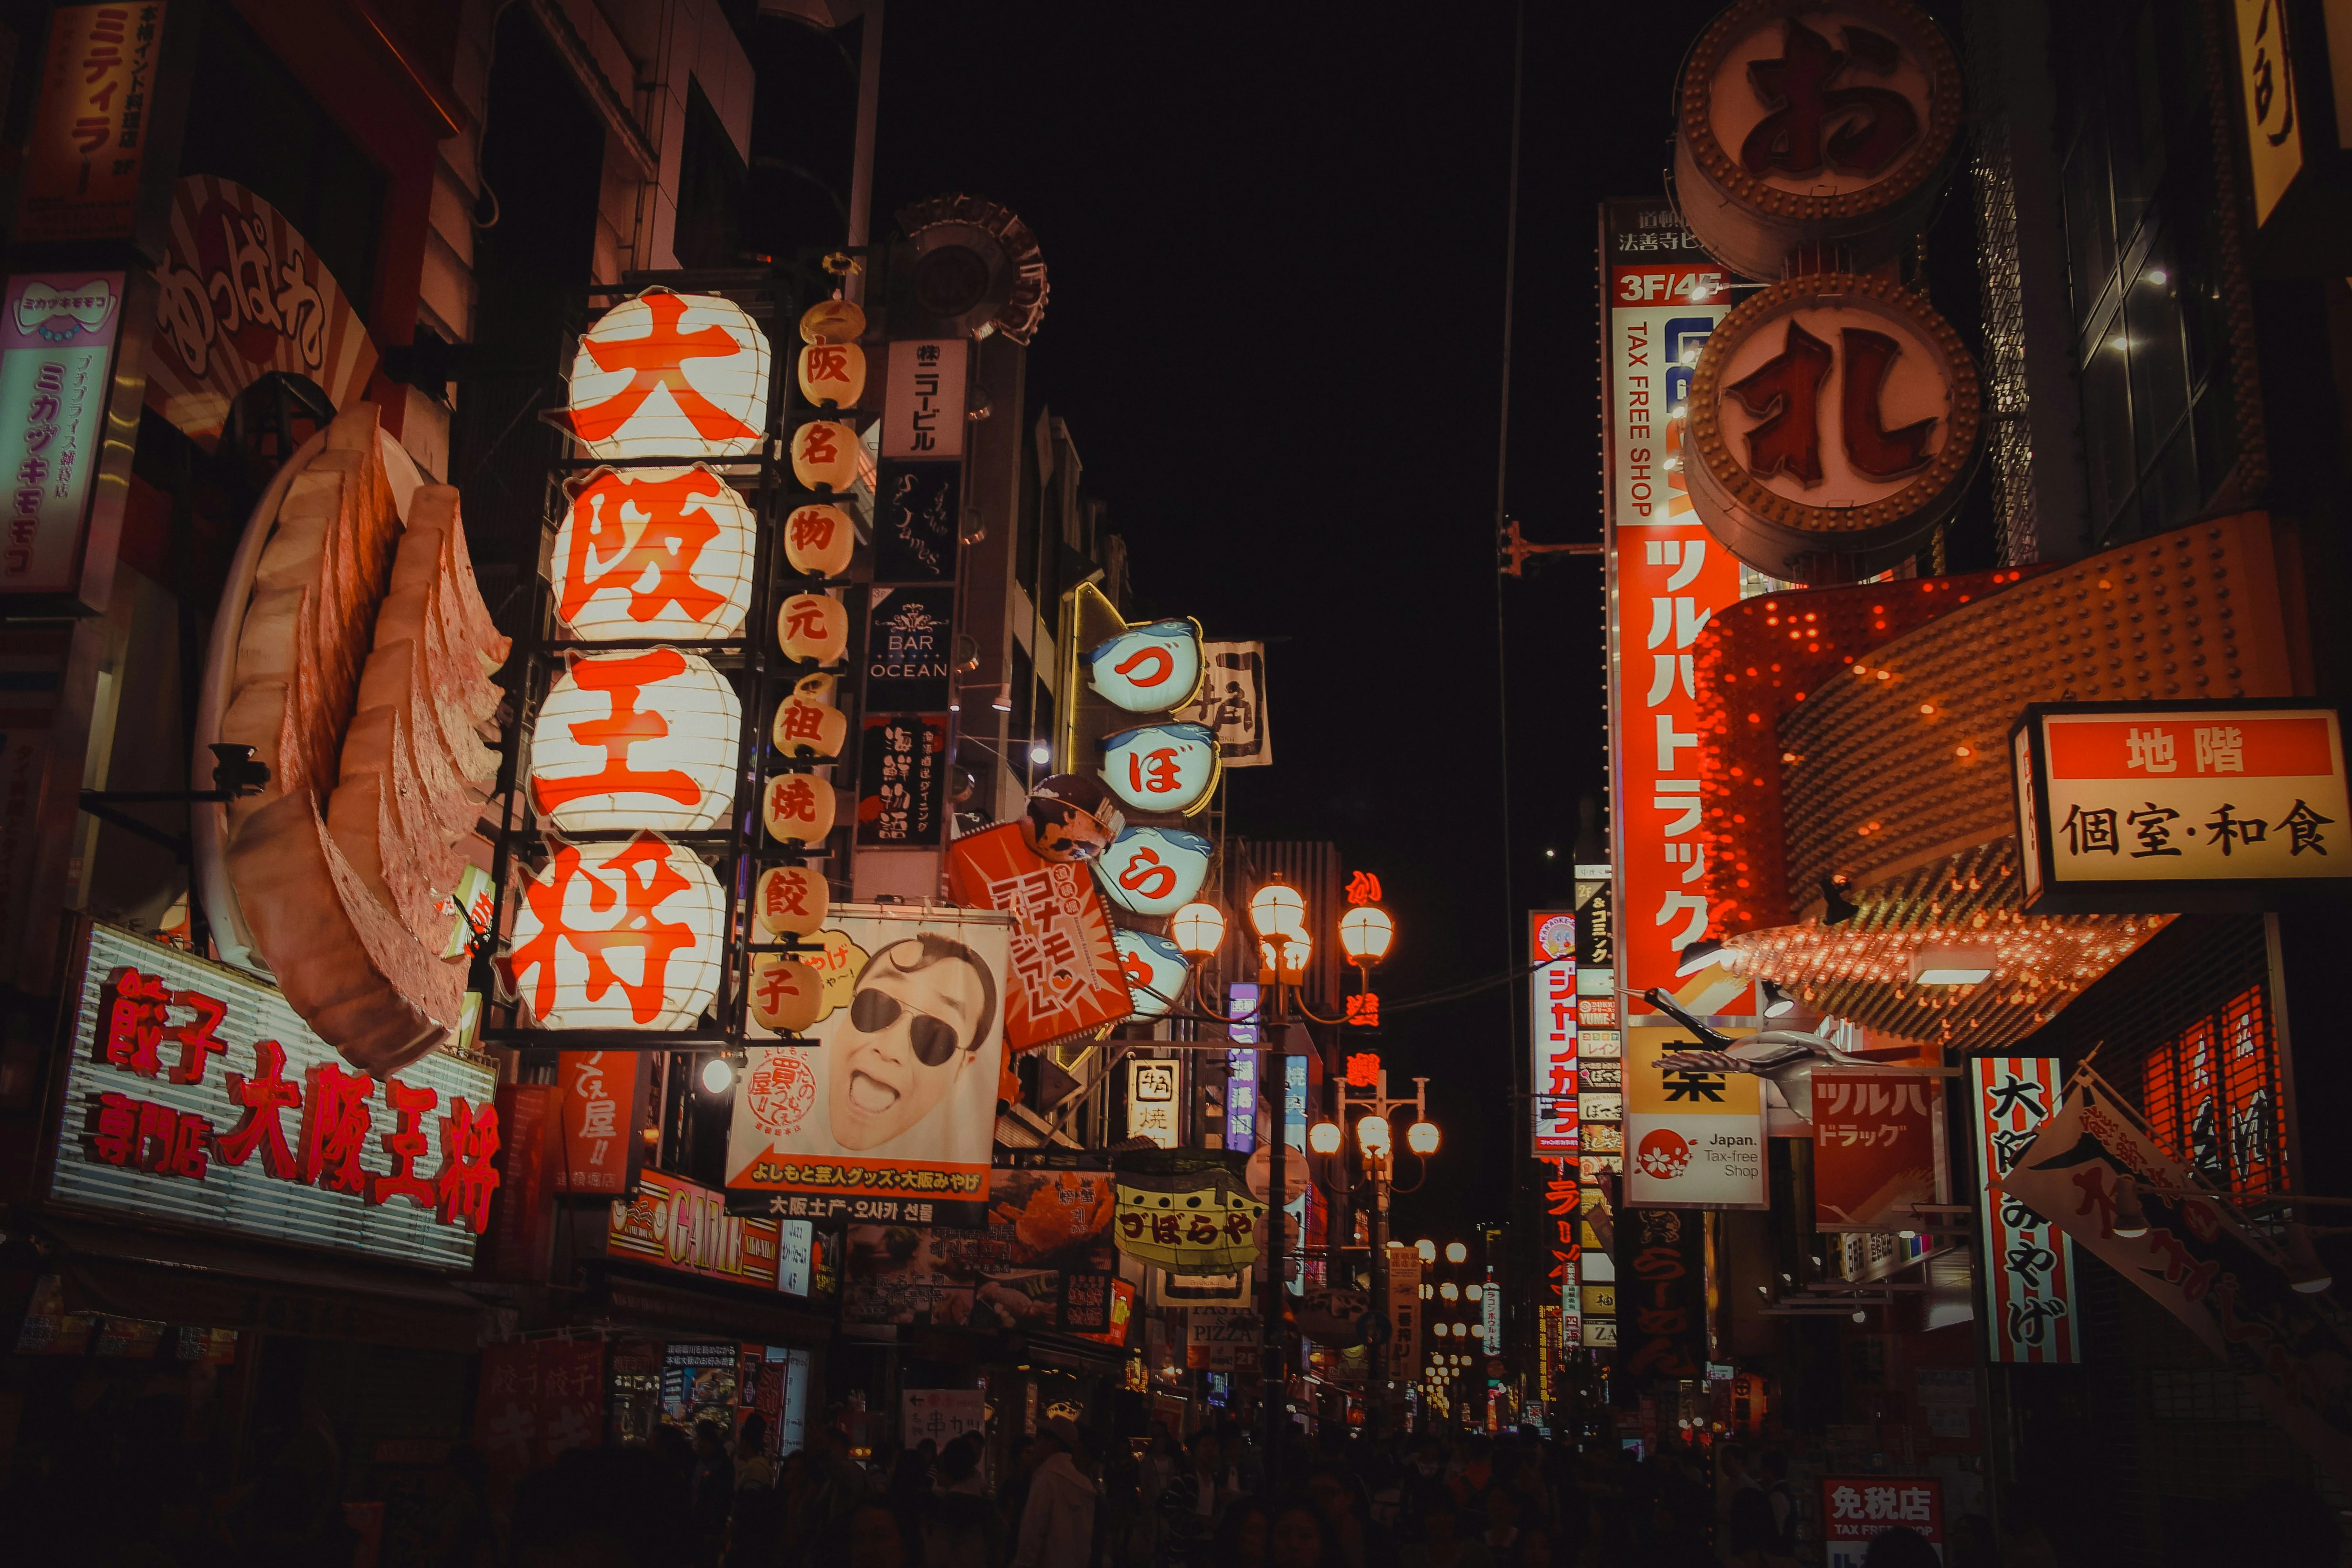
pixel 1693 1140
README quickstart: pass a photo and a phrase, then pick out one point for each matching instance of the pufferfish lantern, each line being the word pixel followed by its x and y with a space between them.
pixel 1154 871
pixel 1151 668
pixel 1162 767
pixel 1069 818
pixel 1154 969
pixel 1185 1210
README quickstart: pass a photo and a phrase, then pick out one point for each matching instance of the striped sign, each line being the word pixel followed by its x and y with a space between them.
pixel 2029 1269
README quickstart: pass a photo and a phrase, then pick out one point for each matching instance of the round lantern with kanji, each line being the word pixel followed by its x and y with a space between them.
pixel 627 935
pixel 787 995
pixel 807 729
pixel 792 900
pixel 798 808
pixel 825 455
pixel 819 539
pixel 636 740
pixel 652 552
pixel 832 373
pixel 832 321
pixel 670 375
pixel 813 628
pixel 1154 871
pixel 1162 767
pixel 1148 669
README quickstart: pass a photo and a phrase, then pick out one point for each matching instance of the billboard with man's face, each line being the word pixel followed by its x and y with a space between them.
pixel 886 1111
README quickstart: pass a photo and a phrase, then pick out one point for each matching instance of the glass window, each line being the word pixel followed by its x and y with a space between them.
pixel 2090 232
pixel 2159 362
pixel 2106 423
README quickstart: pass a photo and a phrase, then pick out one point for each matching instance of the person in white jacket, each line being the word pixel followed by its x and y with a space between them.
pixel 1057 1523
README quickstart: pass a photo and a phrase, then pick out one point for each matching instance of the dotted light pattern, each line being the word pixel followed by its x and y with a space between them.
pixel 635 941
pixel 670 375
pixel 636 740
pixel 654 552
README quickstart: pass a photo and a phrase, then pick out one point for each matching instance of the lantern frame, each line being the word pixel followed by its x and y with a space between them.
pixel 736 847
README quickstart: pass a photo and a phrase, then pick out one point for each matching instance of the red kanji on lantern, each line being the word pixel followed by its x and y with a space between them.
pixel 784 896
pixel 805 622
pixel 818 444
pixel 792 799
pixel 134 1020
pixel 825 362
pixel 266 1096
pixel 801 721
pixel 623 679
pixel 335 1126
pixel 642 880
pixel 659 360
pixel 466 1178
pixel 404 1145
pixel 670 541
pixel 812 530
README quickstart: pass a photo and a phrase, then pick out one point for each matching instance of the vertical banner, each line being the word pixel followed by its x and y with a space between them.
pixel 602 1095
pixel 1232 703
pixel 1662 1276
pixel 1666 578
pixel 58 334
pixel 1404 1312
pixel 1879 1149
pixel 2029 1267
pixel 90 124
pixel 1551 1027
pixel 1693 1140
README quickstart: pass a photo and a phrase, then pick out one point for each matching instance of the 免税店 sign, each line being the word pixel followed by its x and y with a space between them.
pixel 2127 808
pixel 196 1096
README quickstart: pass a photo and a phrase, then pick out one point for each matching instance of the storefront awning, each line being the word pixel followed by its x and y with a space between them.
pixel 711 1312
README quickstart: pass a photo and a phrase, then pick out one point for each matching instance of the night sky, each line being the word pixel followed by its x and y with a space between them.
pixel 1274 237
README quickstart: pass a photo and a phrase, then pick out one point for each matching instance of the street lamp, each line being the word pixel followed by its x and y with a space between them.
pixel 1323 1137
pixel 1457 1253
pixel 1365 932
pixel 1373 1137
pixel 1422 1139
pixel 1198 929
pixel 1277 908
pixel 1427 1249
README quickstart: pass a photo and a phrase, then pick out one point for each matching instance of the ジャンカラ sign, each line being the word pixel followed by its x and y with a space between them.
pixel 2126 806
pixel 1551 1024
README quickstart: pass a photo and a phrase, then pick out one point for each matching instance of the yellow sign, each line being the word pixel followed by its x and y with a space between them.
pixel 1693 1138
pixel 2266 83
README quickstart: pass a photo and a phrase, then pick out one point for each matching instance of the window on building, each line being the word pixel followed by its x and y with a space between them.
pixel 2211 1095
pixel 710 186
pixel 2151 346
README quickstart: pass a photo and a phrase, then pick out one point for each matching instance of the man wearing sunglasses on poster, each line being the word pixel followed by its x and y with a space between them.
pixel 922 1009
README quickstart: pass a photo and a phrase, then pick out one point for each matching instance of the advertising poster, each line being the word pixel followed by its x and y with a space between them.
pixel 602 1091
pixel 87 147
pixel 700 1381
pixel 1045 1260
pixel 902 796
pixel 1856 1507
pixel 2028 1271
pixel 890 1113
pixel 1693 1140
pixel 1066 976
pixel 1662 1282
pixel 677 1224
pixel 1552 1026
pixel 1666 578
pixel 908 631
pixel 1879 1149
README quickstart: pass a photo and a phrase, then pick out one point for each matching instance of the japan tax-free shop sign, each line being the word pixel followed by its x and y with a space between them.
pixel 2130 807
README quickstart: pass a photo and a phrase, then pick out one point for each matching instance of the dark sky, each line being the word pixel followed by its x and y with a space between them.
pixel 1275 238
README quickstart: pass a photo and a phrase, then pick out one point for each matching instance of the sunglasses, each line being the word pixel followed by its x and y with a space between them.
pixel 873 1011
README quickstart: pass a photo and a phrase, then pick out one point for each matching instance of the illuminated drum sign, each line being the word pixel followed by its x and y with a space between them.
pixel 636 740
pixel 618 936
pixel 656 552
pixel 1162 767
pixel 667 374
pixel 1153 870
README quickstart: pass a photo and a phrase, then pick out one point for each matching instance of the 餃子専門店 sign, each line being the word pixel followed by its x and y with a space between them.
pixel 2129 807
pixel 197 1097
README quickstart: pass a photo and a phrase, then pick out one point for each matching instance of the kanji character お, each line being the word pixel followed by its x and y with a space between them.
pixel 1818 117
pixel 469 1137
pixel 335 1123
pixel 265 1096
pixel 404 1145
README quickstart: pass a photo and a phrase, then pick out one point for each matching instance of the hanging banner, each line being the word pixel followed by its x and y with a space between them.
pixel 1232 703
pixel 244 295
pixel 537 1398
pixel 605 1092
pixel 906 654
pixel 889 1114
pixel 902 799
pixel 1661 1279
pixel 1666 578
pixel 2029 1262
pixel 2195 1260
pixel 1551 1028
pixel 1067 977
pixel 87 148
pixel 1878 1150
pixel 922 406
pixel 58 334
pixel 1693 1139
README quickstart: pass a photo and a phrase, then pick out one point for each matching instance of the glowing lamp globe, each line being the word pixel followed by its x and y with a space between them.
pixel 798 808
pixel 654 552
pixel 1323 1137
pixel 1455 1252
pixel 1422 1137
pixel 787 995
pixel 1199 929
pixel 1449 1291
pixel 1365 932
pixel 618 936
pixel 670 375
pixel 1473 1292
pixel 1283 957
pixel 825 455
pixel 1277 906
pixel 819 540
pixel 636 740
pixel 832 321
pixel 1427 1249
pixel 791 901
pixel 806 728
pixel 831 372
pixel 813 628
pixel 1373 1135
pixel 718 1076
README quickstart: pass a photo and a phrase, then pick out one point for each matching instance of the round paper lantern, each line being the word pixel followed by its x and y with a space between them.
pixel 668 374
pixel 1155 971
pixel 1148 669
pixel 787 995
pixel 1162 767
pixel 810 729
pixel 832 321
pixel 636 740
pixel 654 552
pixel 618 936
pixel 832 373
pixel 798 808
pixel 1154 871
pixel 818 687
pixel 791 901
pixel 825 455
pixel 813 628
pixel 819 540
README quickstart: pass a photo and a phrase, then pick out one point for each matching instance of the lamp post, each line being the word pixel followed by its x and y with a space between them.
pixel 1375 1133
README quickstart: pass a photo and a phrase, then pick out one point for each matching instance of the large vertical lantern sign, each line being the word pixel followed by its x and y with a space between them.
pixel 643 762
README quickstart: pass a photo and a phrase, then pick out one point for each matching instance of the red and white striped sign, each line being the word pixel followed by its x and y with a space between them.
pixel 2030 1262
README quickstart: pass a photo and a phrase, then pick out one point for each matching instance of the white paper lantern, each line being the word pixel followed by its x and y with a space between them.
pixel 654 552
pixel 1155 971
pixel 618 936
pixel 636 740
pixel 1154 871
pixel 798 808
pixel 813 628
pixel 819 539
pixel 824 452
pixel 1162 767
pixel 670 375
pixel 1148 669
